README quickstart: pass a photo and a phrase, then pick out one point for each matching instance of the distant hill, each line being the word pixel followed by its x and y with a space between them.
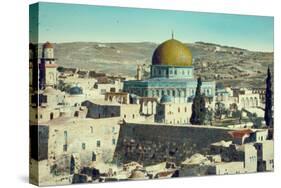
pixel 229 65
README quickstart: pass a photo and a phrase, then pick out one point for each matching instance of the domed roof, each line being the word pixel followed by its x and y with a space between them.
pixel 48 45
pixel 172 52
pixel 166 99
pixel 75 91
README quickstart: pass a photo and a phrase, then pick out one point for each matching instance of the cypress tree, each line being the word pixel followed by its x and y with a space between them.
pixel 268 101
pixel 198 106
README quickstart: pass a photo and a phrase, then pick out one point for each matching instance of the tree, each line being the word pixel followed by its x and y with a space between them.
pixel 198 106
pixel 268 101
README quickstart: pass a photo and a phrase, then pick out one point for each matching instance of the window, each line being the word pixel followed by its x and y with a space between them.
pixel 176 72
pixel 133 116
pixel 98 143
pixel 36 116
pixel 113 129
pixel 41 116
pixel 179 110
pixel 83 146
pixel 113 141
pixel 76 113
pixel 94 156
pixel 92 129
pixel 185 109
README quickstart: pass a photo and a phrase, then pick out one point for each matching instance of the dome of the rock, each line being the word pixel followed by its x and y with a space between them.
pixel 172 53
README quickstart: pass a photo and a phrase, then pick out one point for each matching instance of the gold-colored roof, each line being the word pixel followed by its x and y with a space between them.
pixel 172 52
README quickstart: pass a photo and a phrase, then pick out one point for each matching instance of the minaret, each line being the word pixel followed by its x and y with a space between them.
pixel 48 51
pixel 48 67
pixel 139 72
pixel 172 34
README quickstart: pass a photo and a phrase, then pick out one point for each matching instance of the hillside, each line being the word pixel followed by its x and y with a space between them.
pixel 229 65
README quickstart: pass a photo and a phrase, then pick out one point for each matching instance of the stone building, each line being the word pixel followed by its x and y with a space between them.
pixel 172 113
pixel 106 109
pixel 95 141
pixel 119 97
pixel 246 98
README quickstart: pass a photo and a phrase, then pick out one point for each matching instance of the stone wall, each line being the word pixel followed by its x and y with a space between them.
pixel 151 144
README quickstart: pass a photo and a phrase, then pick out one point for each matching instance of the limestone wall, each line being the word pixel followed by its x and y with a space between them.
pixel 150 144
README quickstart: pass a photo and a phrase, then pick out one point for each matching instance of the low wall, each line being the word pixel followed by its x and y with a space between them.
pixel 151 144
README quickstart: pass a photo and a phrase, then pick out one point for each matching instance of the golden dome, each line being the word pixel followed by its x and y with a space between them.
pixel 172 52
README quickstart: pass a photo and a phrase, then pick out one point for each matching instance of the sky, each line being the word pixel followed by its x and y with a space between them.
pixel 75 23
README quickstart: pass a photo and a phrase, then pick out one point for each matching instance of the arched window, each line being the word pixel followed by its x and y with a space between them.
pixel 256 101
pixel 179 110
pixel 94 156
pixel 247 102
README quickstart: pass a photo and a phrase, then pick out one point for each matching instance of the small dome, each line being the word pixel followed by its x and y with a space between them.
pixel 48 45
pixel 166 99
pixel 75 91
pixel 172 52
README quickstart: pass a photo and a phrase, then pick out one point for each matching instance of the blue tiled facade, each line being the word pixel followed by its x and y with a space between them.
pixel 163 81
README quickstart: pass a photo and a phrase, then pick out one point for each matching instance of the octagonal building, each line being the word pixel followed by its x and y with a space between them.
pixel 171 74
